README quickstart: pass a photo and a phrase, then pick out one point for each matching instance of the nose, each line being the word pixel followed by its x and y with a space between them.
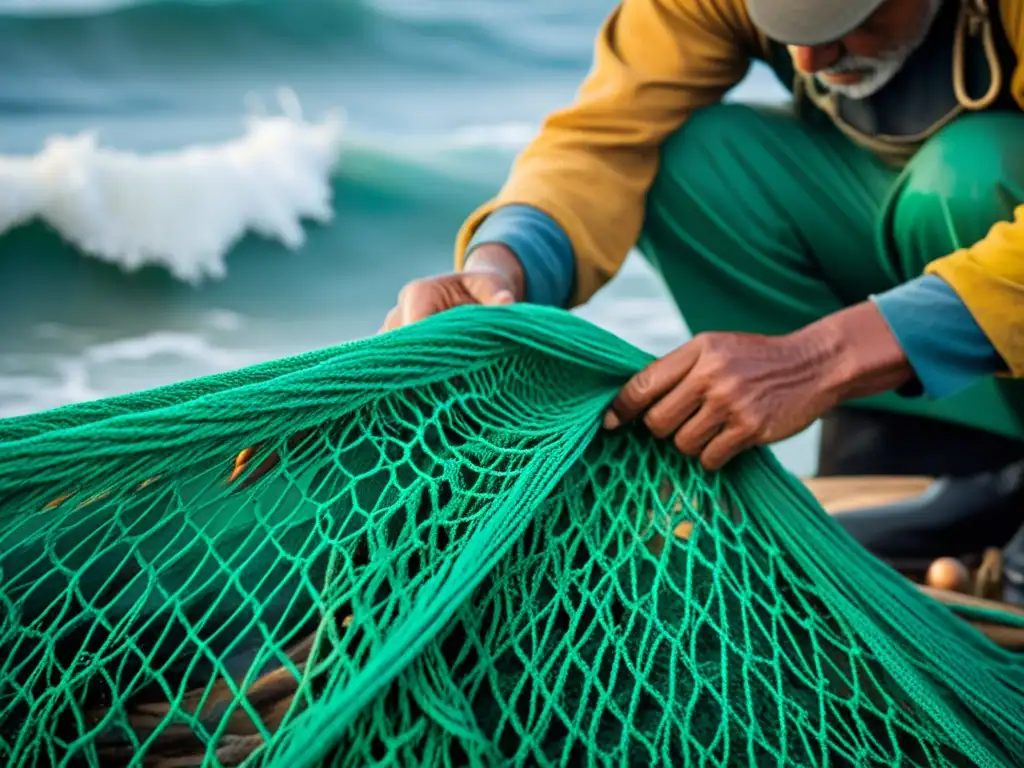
pixel 813 58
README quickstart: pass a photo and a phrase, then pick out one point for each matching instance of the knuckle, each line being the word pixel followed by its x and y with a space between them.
pixel 729 387
pixel 632 395
pixel 641 384
pixel 410 289
pixel 719 399
pixel 710 462
pixel 702 340
pixel 748 429
pixel 657 424
pixel 715 366
pixel 746 422
pixel 684 443
pixel 762 434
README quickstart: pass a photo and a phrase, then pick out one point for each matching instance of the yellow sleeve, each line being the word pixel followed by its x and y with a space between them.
pixel 989 275
pixel 989 278
pixel 592 163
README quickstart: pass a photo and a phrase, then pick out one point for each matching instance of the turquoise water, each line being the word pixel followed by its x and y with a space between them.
pixel 437 95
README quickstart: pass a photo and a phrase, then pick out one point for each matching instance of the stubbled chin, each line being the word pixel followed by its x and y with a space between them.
pixel 869 86
pixel 884 69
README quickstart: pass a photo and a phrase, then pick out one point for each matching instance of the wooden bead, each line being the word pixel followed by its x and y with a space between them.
pixel 949 574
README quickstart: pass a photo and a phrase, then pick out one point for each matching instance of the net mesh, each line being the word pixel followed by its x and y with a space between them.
pixel 429 554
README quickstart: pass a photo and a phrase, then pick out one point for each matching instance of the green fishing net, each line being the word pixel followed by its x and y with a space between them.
pixel 420 550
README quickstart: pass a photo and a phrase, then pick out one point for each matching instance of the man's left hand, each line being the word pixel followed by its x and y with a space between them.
pixel 724 392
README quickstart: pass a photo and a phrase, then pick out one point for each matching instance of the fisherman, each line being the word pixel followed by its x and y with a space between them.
pixel 857 256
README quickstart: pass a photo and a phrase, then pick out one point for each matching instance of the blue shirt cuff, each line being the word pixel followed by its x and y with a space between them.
pixel 941 339
pixel 542 247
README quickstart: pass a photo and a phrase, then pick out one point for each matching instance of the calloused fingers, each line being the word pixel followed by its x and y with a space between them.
pixel 673 410
pixel 416 303
pixel 699 430
pixel 650 385
pixel 724 447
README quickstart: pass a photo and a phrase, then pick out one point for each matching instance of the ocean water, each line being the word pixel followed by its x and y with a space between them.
pixel 189 186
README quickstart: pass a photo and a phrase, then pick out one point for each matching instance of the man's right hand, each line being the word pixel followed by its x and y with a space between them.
pixel 492 275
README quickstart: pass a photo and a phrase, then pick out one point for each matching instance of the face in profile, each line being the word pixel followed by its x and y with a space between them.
pixel 861 62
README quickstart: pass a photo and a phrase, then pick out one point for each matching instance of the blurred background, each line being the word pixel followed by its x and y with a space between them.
pixel 189 186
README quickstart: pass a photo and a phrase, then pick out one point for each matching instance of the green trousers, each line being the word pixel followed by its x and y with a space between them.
pixel 761 222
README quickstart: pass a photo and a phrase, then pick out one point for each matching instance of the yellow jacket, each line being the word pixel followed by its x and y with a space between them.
pixel 655 62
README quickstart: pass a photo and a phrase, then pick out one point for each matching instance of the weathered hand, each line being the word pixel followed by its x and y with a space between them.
pixel 430 296
pixel 492 276
pixel 724 392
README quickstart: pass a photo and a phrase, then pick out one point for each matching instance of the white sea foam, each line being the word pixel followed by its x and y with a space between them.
pixel 183 209
pixel 500 135
pixel 31 382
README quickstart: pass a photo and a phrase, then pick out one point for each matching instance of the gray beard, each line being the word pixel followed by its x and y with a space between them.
pixel 878 71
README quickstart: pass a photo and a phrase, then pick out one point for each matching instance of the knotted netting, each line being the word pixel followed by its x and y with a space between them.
pixel 420 549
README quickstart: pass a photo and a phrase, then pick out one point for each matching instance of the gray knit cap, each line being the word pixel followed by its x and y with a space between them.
pixel 809 22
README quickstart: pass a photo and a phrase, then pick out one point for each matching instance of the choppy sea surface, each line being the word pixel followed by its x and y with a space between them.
pixel 189 186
